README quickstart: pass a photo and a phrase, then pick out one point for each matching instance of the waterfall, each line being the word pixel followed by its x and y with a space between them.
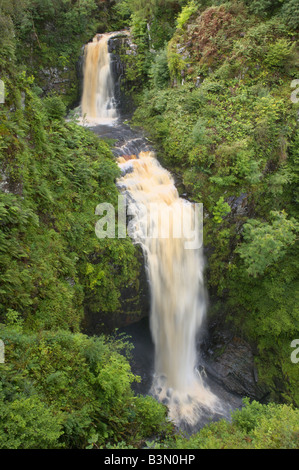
pixel 164 225
pixel 98 104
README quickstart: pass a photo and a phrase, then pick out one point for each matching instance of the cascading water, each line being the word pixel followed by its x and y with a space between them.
pixel 98 104
pixel 165 226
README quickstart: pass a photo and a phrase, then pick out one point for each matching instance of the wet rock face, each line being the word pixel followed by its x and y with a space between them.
pixel 229 360
pixel 4 184
pixel 118 45
pixel 238 204
pixel 9 184
pixel 135 305
pixel 64 81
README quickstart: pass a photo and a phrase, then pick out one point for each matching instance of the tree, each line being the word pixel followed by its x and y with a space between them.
pixel 266 243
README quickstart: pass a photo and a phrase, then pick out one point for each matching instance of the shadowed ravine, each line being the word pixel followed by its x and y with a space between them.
pixel 165 226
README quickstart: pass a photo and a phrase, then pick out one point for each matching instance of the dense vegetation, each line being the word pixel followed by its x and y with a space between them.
pixel 219 105
pixel 64 390
pixel 214 86
pixel 54 173
pixel 255 426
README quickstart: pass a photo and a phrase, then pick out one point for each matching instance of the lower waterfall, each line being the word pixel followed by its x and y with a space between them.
pixel 165 226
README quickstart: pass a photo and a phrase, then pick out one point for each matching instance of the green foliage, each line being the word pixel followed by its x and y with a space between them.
pixel 176 64
pixel 55 174
pixel 151 416
pixel 140 7
pixel 67 390
pixel 55 107
pixel 266 243
pixel 263 7
pixel 255 426
pixel 159 71
pixel 187 11
pixel 199 131
pixel 27 423
pixel 227 126
pixel 279 53
pixel 247 418
pixel 6 38
pixel 221 210
pixel 290 13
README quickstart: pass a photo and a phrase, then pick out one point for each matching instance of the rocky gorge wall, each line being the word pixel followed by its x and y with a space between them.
pixel 119 44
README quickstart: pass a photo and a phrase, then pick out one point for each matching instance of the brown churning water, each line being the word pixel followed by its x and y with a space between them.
pixel 163 224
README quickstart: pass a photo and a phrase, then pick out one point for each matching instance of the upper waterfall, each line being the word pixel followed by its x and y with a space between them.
pixel 98 103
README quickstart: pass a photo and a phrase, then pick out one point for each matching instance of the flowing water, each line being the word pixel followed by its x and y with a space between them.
pixel 98 104
pixel 165 226
pixel 168 229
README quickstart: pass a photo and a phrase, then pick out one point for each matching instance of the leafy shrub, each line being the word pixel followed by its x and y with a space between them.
pixel 269 426
pixel 277 428
pixel 212 87
pixel 221 210
pixel 199 132
pixel 187 11
pixel 151 416
pixel 266 243
pixel 159 71
pixel 254 426
pixel 279 53
pixel 290 13
pixel 68 390
pixel 55 107
pixel 28 423
pixel 194 100
pixel 248 417
pixel 262 7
